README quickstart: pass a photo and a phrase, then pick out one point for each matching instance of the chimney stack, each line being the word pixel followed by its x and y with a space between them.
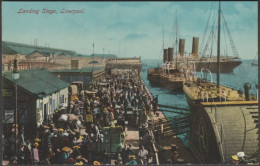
pixel 170 54
pixel 181 47
pixel 165 55
pixel 195 46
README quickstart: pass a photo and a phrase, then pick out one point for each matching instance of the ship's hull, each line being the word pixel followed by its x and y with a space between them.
pixel 225 67
pixel 163 81
pixel 171 85
pixel 193 104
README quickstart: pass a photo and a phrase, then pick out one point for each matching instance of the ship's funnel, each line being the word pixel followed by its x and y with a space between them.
pixel 195 46
pixel 181 47
pixel 165 55
pixel 170 54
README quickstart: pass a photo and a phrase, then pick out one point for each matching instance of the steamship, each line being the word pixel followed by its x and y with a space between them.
pixel 172 74
pixel 227 63
pixel 224 120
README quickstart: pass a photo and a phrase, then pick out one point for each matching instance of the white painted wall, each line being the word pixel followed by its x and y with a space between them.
pixel 50 108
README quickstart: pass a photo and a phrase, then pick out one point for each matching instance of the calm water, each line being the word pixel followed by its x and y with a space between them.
pixel 242 74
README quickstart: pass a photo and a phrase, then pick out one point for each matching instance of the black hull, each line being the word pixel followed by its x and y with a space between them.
pixel 171 85
pixel 225 67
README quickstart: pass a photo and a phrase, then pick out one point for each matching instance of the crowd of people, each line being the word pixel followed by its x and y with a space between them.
pixel 108 103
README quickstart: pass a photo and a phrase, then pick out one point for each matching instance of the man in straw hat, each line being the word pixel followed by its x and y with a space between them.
pixel 64 155
pixel 132 160
pixel 76 151
pixel 234 160
pixel 35 153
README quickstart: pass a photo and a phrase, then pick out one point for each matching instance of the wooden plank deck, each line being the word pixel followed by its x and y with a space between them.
pixel 132 137
pixel 166 141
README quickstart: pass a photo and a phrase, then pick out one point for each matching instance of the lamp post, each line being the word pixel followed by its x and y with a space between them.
pixel 15 76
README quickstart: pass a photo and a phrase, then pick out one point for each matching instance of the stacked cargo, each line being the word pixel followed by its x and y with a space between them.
pixel 113 140
pixel 117 139
pixel 105 146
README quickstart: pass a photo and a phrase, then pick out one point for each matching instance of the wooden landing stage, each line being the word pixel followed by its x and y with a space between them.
pixel 132 137
pixel 165 141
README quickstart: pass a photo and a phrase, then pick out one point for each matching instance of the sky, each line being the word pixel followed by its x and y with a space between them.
pixel 128 29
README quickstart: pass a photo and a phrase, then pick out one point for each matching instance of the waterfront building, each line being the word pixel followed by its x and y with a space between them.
pixel 34 56
pixel 39 93
pixel 86 75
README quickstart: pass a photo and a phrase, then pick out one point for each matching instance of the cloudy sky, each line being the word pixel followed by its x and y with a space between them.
pixel 127 29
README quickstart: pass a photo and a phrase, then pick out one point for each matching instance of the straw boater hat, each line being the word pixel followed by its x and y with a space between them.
pixel 66 149
pixel 16 125
pixel 52 125
pixel 132 157
pixel 36 144
pixel 96 163
pixel 37 140
pixel 234 157
pixel 61 130
pixel 79 163
pixel 46 127
pixel 76 147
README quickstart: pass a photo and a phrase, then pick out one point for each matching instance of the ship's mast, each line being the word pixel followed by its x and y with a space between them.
pixel 218 48
pixel 176 42
pixel 163 42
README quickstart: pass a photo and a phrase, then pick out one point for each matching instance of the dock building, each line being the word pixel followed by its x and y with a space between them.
pixel 39 93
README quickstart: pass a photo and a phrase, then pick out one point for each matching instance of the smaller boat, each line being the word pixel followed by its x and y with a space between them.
pixel 254 63
pixel 173 72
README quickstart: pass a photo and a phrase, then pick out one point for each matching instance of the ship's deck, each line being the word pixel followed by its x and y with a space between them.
pixel 206 90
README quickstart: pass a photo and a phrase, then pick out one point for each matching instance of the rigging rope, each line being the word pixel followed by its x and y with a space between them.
pixel 209 38
pixel 207 25
pixel 233 46
pixel 225 42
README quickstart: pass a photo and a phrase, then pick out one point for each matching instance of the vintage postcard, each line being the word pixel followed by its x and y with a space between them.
pixel 129 83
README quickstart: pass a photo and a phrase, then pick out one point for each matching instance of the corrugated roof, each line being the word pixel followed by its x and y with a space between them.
pixel 82 70
pixel 38 81
pixel 7 50
pixel 25 49
pixel 41 52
